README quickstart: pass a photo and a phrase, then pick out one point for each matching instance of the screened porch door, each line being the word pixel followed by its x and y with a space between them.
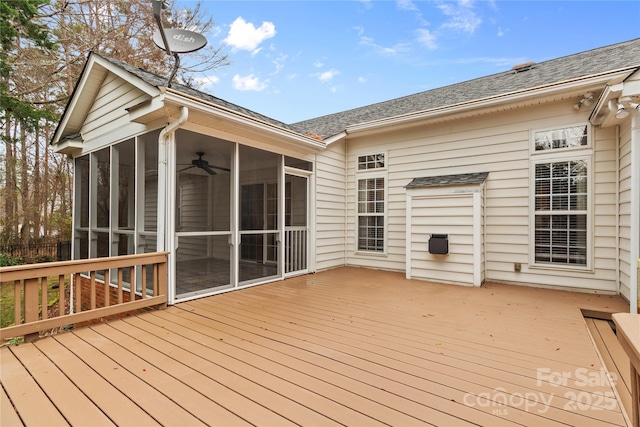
pixel 296 228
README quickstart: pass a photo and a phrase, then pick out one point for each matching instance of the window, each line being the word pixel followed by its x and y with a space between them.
pixel 371 202
pixel 571 137
pixel 371 161
pixel 371 214
pixel 561 194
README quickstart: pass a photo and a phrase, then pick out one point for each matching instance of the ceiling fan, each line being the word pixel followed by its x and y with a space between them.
pixel 204 165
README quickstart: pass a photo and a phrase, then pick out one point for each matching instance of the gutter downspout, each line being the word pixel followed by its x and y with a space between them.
pixel 635 213
pixel 163 178
pixel 618 258
pixel 346 203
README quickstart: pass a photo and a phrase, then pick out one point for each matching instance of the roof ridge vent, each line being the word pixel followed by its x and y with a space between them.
pixel 525 66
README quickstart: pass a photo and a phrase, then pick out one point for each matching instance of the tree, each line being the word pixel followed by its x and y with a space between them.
pixel 21 35
pixel 44 46
pixel 19 31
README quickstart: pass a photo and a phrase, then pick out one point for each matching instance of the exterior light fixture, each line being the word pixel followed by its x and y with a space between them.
pixel 587 101
pixel 622 112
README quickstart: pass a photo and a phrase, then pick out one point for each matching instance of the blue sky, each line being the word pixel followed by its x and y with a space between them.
pixel 295 60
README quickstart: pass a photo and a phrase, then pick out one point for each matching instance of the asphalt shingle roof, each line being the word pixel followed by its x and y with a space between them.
pixel 621 55
pixel 445 180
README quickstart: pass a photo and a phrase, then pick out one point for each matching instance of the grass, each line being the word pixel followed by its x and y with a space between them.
pixel 7 300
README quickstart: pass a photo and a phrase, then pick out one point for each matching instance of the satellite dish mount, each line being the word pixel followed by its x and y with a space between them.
pixel 174 40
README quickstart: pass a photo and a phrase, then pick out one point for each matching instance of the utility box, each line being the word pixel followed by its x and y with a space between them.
pixel 439 244
pixel 451 204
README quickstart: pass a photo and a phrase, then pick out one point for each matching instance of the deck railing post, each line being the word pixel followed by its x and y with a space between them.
pixel 31 300
pixel 162 278
pixel 17 304
pixel 62 302
pixel 78 293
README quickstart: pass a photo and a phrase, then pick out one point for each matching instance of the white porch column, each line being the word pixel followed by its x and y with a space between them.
pixel 477 239
pixel 166 196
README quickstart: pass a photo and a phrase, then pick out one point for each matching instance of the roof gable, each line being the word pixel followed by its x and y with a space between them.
pixel 159 81
pixel 87 90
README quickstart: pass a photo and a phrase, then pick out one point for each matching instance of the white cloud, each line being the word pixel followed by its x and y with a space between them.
pixel 386 51
pixel 248 83
pixel 410 6
pixel 462 16
pixel 327 75
pixel 244 35
pixel 406 5
pixel 279 63
pixel 318 64
pixel 426 38
pixel 362 79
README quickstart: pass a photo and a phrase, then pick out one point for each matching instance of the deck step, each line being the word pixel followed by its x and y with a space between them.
pixel 614 358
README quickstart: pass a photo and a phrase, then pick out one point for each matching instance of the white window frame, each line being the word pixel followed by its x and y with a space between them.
pixel 373 173
pixel 558 155
pixel 378 153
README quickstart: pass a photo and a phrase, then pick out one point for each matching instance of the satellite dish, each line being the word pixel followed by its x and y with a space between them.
pixel 180 41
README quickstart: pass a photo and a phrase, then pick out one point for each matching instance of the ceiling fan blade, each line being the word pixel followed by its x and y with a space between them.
pixel 220 168
pixel 188 167
pixel 209 170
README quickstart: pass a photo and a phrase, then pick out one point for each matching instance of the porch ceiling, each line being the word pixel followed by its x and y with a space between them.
pixel 347 346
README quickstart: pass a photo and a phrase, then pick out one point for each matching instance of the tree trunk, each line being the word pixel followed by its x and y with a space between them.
pixel 11 225
pixel 24 188
pixel 38 203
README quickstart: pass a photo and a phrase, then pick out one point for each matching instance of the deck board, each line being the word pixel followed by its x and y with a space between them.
pixel 408 361
pixel 26 395
pixel 342 347
pixel 186 397
pixel 158 406
pixel 116 405
pixel 8 414
pixel 229 398
pixel 74 405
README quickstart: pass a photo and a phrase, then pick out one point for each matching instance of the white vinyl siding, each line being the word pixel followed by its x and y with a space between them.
pixel 193 214
pixel 108 119
pixel 330 212
pixel 498 143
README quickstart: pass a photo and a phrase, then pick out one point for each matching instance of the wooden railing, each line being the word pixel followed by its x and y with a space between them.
pixel 295 253
pixel 101 287
pixel 628 332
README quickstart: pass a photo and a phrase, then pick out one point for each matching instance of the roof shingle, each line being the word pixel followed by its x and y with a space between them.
pixel 447 180
pixel 613 57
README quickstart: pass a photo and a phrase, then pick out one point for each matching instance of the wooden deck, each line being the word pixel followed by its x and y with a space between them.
pixel 343 347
